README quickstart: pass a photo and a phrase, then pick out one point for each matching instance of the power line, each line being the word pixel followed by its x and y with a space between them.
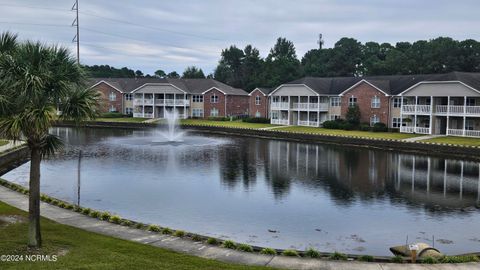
pixel 36 24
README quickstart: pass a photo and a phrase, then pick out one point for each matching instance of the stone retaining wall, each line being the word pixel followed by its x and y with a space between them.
pixel 11 159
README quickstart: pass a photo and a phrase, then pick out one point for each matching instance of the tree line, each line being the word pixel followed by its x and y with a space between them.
pixel 246 69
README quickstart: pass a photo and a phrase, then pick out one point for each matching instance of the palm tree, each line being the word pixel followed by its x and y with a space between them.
pixel 38 84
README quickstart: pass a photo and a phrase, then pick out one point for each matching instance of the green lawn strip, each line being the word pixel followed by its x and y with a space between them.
pixel 234 124
pixel 86 250
pixel 122 119
pixel 3 142
pixel 455 140
pixel 357 133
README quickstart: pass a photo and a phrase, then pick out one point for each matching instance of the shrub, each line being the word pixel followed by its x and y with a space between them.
pixel 95 214
pixel 459 259
pixel 55 202
pixel 111 115
pixel 256 120
pixel 115 219
pixel 290 253
pixel 48 200
pixel 43 197
pixel 365 127
pixel 268 251
pixel 127 223
pixel 25 191
pixel 333 124
pixel 311 252
pixel 347 126
pixel 353 115
pixel 212 241
pixel 105 216
pixel 167 231
pixel 153 228
pixel 179 233
pixel 245 248
pixel 62 204
pixel 379 127
pixel 196 237
pixel 69 206
pixel 397 259
pixel 86 211
pixel 218 118
pixel 429 260
pixel 139 225
pixel 338 256
pixel 229 244
pixel 366 258
pixel 77 208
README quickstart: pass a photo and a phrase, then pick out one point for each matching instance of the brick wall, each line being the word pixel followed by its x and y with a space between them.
pixel 237 105
pixel 364 94
pixel 105 102
pixel 208 105
pixel 262 108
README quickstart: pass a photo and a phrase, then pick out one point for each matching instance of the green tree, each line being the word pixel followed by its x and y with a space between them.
pixel 173 75
pixel 229 69
pixel 193 73
pixel 35 81
pixel 252 68
pixel 160 73
pixel 281 64
pixel 346 57
pixel 353 115
pixel 138 74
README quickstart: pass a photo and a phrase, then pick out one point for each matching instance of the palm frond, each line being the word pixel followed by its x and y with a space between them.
pixel 8 42
pixel 80 104
pixel 50 144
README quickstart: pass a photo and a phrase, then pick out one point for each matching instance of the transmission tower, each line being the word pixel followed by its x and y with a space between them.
pixel 75 23
pixel 320 41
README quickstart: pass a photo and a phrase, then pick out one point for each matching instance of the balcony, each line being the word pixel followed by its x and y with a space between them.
pixel 463 132
pixel 279 122
pixel 310 106
pixel 175 102
pixel 416 109
pixel 143 115
pixel 280 106
pixel 457 110
pixel 140 101
pixel 308 123
pixel 418 130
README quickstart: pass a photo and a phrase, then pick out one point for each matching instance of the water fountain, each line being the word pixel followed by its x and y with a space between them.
pixel 172 133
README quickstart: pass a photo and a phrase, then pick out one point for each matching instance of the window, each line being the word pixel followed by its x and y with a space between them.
pixel 373 120
pixel 375 102
pixel 397 102
pixel 214 98
pixel 335 101
pixel 469 125
pixel 214 112
pixel 112 96
pixel 334 116
pixel 257 100
pixel 275 99
pixel 197 112
pixel 197 98
pixel 352 101
pixel 128 96
pixel 470 101
pixel 396 122
pixel 128 110
pixel 112 109
pixel 257 114
pixel 274 114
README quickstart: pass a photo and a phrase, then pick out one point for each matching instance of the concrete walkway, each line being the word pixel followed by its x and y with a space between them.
pixel 200 249
pixel 10 145
pixel 420 138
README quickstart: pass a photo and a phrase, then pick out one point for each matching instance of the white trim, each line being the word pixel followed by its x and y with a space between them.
pixel 169 84
pixel 433 82
pixel 105 82
pixel 363 81
pixel 257 89
pixel 300 84
pixel 208 90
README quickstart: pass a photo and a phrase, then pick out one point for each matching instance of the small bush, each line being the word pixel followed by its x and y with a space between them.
pixel 245 248
pixel 43 197
pixel 77 208
pixel 179 233
pixel 366 258
pixel 333 124
pixel 111 115
pixel 55 202
pixel 429 260
pixel 95 214
pixel 196 237
pixel 115 219
pixel 256 120
pixel 25 191
pixel 365 127
pixel 312 253
pixel 229 244
pixel 338 256
pixel 48 200
pixel 86 211
pixel 69 206
pixel 290 253
pixel 105 216
pixel 397 259
pixel 379 127
pixel 212 241
pixel 154 228
pixel 127 223
pixel 459 259
pixel 167 231
pixel 217 118
pixel 268 251
pixel 139 225
pixel 62 204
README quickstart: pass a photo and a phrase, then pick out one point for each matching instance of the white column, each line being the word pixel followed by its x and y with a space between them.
pixel 288 110
pixel 174 100
pixel 464 116
pixel 298 111
pixel 401 112
pixel 415 115
pixel 448 114
pixel 308 110
pixel 184 106
pixel 431 115
pixel 143 105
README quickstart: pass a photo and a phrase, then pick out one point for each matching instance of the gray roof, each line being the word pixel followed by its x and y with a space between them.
pixel 264 90
pixel 193 86
pixel 390 84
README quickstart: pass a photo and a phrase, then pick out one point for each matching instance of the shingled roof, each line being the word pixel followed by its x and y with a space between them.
pixel 390 84
pixel 193 86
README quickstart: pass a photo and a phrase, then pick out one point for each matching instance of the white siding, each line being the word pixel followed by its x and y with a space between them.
pixel 294 90
pixel 441 90
pixel 159 89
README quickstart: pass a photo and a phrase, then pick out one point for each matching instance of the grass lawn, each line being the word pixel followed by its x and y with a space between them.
pixel 237 123
pixel 3 142
pixel 122 119
pixel 455 140
pixel 384 135
pixel 86 250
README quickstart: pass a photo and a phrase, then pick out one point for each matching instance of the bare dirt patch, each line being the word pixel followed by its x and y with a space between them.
pixel 6 220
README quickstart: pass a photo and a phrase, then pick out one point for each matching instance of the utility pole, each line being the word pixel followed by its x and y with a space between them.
pixel 77 36
pixel 320 41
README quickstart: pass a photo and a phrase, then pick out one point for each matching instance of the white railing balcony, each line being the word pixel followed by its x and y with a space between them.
pixel 300 106
pixel 416 109
pixel 182 102
pixel 323 106
pixel 138 101
pixel 148 115
pixel 441 109
pixel 313 123
pixel 279 121
pixel 461 132
pixel 455 132
pixel 303 123
pixel 423 108
pixel 472 110
pixel 472 133
pixel 419 130
pixel 148 101
pixel 422 130
pixel 407 129
pixel 280 106
pixel 169 102
pixel 456 109
pixel 159 101
pixel 408 109
pixel 137 114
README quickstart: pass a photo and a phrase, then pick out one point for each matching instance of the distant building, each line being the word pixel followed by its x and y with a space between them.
pixel 259 104
pixel 151 97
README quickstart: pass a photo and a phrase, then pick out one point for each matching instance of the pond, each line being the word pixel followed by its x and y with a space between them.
pixel 270 193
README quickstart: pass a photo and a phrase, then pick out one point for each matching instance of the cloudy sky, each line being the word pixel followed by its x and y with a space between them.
pixel 170 35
